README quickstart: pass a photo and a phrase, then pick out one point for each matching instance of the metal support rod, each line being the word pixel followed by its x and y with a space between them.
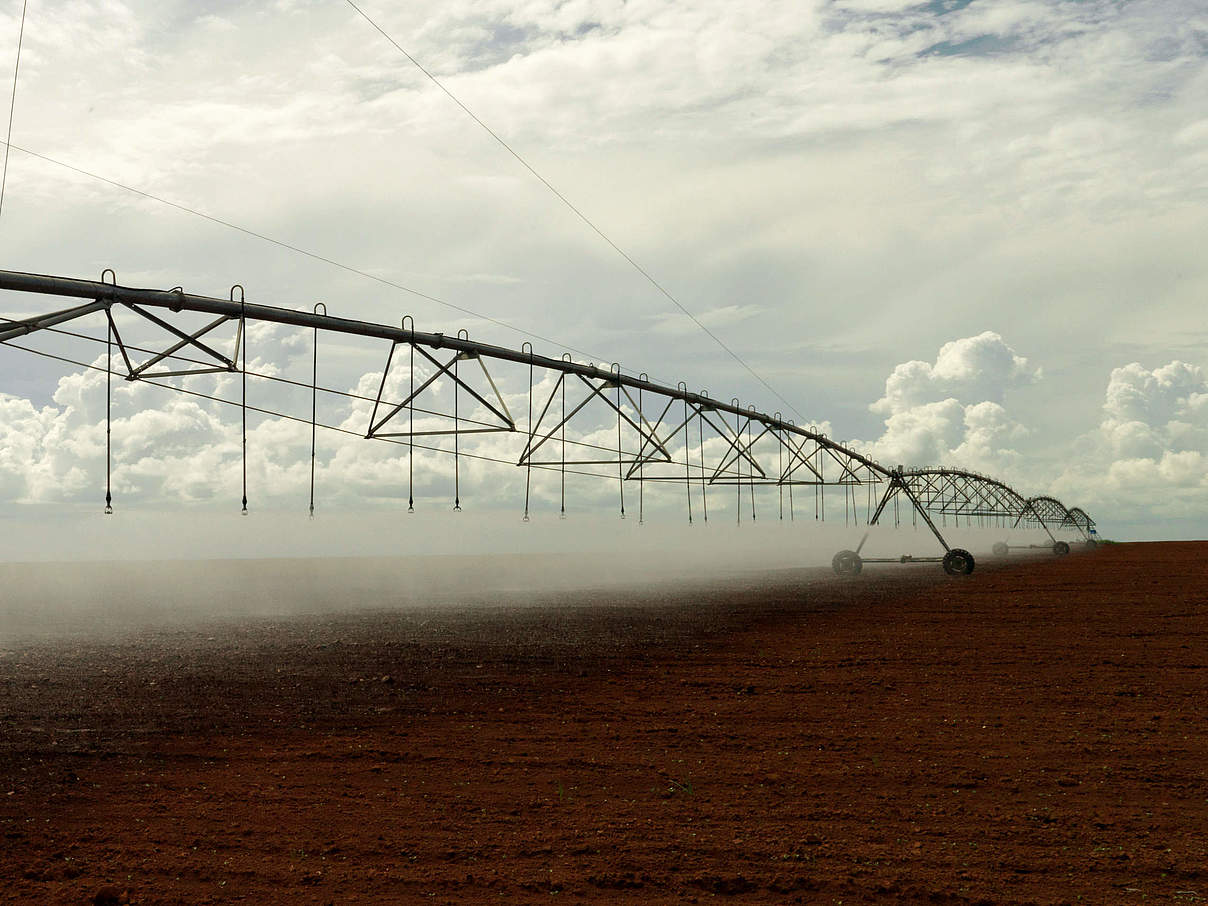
pixel 243 401
pixel 860 546
pixel 410 421
pixel 456 438
pixel 751 489
pixel 792 515
pixel 41 322
pixel 109 422
pixel 314 408
pixel 890 490
pixel 528 466
pixel 443 368
pixel 704 494
pixel 616 369
pixel 1030 506
pixel 192 339
pixel 817 486
pixel 138 372
pixel 738 462
pixel 643 458
pixel 381 391
pixel 780 471
pixel 822 487
pixel 597 392
pixel 641 467
pixel 927 519
pixel 562 510
pixel 898 484
pixel 687 467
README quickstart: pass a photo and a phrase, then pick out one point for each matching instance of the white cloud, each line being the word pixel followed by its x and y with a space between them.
pixel 1148 459
pixel 1154 398
pixel 921 435
pixel 949 412
pixel 972 369
pixel 990 438
pixel 875 176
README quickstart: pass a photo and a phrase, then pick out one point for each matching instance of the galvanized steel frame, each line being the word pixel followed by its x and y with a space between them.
pixel 803 455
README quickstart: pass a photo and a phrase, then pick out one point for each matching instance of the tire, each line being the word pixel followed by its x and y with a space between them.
pixel 1091 542
pixel 1000 549
pixel 847 563
pixel 1060 548
pixel 958 562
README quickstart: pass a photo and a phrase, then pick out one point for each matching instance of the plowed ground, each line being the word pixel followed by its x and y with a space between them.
pixel 1033 733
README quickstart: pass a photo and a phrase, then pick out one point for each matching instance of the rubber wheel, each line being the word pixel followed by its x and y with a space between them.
pixel 1060 548
pixel 847 563
pixel 1000 549
pixel 1091 542
pixel 958 562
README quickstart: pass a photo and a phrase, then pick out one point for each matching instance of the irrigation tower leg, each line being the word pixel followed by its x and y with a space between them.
pixel 896 484
pixel 956 561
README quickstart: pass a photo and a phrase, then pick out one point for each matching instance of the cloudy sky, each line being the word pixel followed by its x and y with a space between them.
pixel 960 233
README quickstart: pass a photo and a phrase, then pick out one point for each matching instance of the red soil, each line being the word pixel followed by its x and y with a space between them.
pixel 1033 733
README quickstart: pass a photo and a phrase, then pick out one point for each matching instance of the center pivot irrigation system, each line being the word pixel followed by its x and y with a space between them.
pixel 662 434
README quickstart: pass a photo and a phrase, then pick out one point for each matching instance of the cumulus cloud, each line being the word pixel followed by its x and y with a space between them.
pixel 972 369
pixel 1148 458
pixel 778 165
pixel 950 411
pixel 1147 412
pixel 1144 464
pixel 186 448
pixel 989 438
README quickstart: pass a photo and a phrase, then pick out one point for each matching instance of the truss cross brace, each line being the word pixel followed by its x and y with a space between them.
pixel 1030 507
pixel 897 485
pixel 443 369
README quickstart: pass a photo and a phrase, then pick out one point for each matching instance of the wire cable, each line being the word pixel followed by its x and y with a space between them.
pixel 298 250
pixel 569 204
pixel 277 379
pixel 551 466
pixel 314 388
pixel 12 105
pixel 294 418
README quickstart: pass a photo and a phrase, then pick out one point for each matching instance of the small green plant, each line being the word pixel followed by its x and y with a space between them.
pixel 679 786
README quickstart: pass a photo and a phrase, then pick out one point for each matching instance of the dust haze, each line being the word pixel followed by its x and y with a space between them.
pixel 86 575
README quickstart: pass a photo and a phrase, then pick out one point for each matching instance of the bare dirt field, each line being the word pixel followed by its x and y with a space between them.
pixel 1033 733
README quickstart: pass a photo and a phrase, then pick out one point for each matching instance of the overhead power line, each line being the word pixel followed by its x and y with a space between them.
pixel 12 105
pixel 8 146
pixel 286 416
pixel 301 251
pixel 566 201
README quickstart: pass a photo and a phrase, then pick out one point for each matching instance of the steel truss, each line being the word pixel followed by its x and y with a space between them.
pixel 1048 512
pixel 662 434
